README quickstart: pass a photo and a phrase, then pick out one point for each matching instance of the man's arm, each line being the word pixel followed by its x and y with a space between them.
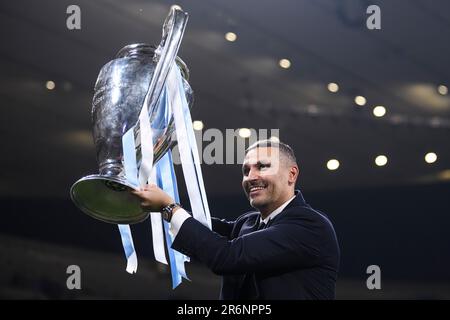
pixel 280 246
pixel 285 246
pixel 222 227
pixel 154 199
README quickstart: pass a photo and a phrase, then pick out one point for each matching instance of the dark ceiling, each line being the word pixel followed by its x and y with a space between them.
pixel 46 139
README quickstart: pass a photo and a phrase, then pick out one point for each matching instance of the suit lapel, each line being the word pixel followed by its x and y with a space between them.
pixel 252 225
pixel 298 201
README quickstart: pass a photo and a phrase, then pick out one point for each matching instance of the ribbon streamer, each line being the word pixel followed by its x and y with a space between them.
pixel 130 166
pixel 167 181
pixel 188 148
pixel 128 246
pixel 173 101
pixel 157 230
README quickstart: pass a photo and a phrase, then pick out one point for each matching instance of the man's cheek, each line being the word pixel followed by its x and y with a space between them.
pixel 269 175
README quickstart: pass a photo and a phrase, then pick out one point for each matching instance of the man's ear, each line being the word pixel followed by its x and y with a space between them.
pixel 293 174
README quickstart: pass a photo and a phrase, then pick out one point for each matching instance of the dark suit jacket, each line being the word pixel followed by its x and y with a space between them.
pixel 295 257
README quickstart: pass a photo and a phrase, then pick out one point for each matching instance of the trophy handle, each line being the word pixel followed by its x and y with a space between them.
pixel 165 54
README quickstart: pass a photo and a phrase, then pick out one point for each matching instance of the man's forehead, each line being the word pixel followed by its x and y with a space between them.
pixel 261 154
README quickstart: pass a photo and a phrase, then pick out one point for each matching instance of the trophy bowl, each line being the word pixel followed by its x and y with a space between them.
pixel 119 95
pixel 134 80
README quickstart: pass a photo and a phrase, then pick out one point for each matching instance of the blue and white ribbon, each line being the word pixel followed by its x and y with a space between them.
pixel 131 173
pixel 187 146
pixel 167 181
pixel 173 101
pixel 128 246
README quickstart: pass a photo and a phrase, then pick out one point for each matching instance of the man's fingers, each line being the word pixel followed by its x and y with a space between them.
pixel 139 193
pixel 149 187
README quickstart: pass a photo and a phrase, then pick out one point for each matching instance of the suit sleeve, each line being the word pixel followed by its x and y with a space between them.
pixel 278 247
pixel 222 227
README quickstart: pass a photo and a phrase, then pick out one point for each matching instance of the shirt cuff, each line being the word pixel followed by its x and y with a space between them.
pixel 177 221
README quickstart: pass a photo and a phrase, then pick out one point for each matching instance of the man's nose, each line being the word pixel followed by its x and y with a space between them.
pixel 253 174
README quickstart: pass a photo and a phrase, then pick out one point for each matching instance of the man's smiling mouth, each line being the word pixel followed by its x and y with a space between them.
pixel 254 190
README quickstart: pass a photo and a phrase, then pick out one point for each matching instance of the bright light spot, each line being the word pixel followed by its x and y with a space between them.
pixel 332 164
pixel 50 85
pixel 430 157
pixel 245 133
pixel 333 87
pixel 360 100
pixel 381 160
pixel 198 125
pixel 284 63
pixel 443 89
pixel 379 111
pixel 444 175
pixel 230 36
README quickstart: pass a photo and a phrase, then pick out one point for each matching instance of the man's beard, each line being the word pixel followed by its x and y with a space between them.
pixel 259 202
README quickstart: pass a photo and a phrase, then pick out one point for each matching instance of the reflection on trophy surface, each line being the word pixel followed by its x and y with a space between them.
pixel 135 77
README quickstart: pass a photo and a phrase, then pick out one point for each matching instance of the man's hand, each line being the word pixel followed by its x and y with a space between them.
pixel 153 198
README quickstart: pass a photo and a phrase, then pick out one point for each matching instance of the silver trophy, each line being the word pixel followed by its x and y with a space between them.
pixel 132 81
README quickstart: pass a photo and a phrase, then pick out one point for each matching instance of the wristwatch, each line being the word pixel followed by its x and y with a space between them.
pixel 167 211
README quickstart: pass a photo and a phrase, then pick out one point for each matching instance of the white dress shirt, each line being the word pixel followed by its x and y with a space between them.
pixel 277 211
pixel 181 215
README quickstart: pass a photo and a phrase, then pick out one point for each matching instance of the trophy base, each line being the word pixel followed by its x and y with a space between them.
pixel 108 198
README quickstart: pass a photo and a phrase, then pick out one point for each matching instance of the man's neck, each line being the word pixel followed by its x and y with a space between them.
pixel 266 211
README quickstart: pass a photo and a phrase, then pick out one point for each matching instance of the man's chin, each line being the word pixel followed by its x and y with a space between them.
pixel 257 203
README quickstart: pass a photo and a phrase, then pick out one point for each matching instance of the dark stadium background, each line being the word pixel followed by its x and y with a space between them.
pixel 395 216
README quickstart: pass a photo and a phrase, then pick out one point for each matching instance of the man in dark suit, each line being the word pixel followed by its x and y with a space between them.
pixel 284 250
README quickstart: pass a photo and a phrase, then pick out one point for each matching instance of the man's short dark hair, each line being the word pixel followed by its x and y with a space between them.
pixel 285 149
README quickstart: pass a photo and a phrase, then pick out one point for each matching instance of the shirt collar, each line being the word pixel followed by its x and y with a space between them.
pixel 277 211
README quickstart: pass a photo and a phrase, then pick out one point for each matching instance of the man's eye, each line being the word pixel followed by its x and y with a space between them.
pixel 264 165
